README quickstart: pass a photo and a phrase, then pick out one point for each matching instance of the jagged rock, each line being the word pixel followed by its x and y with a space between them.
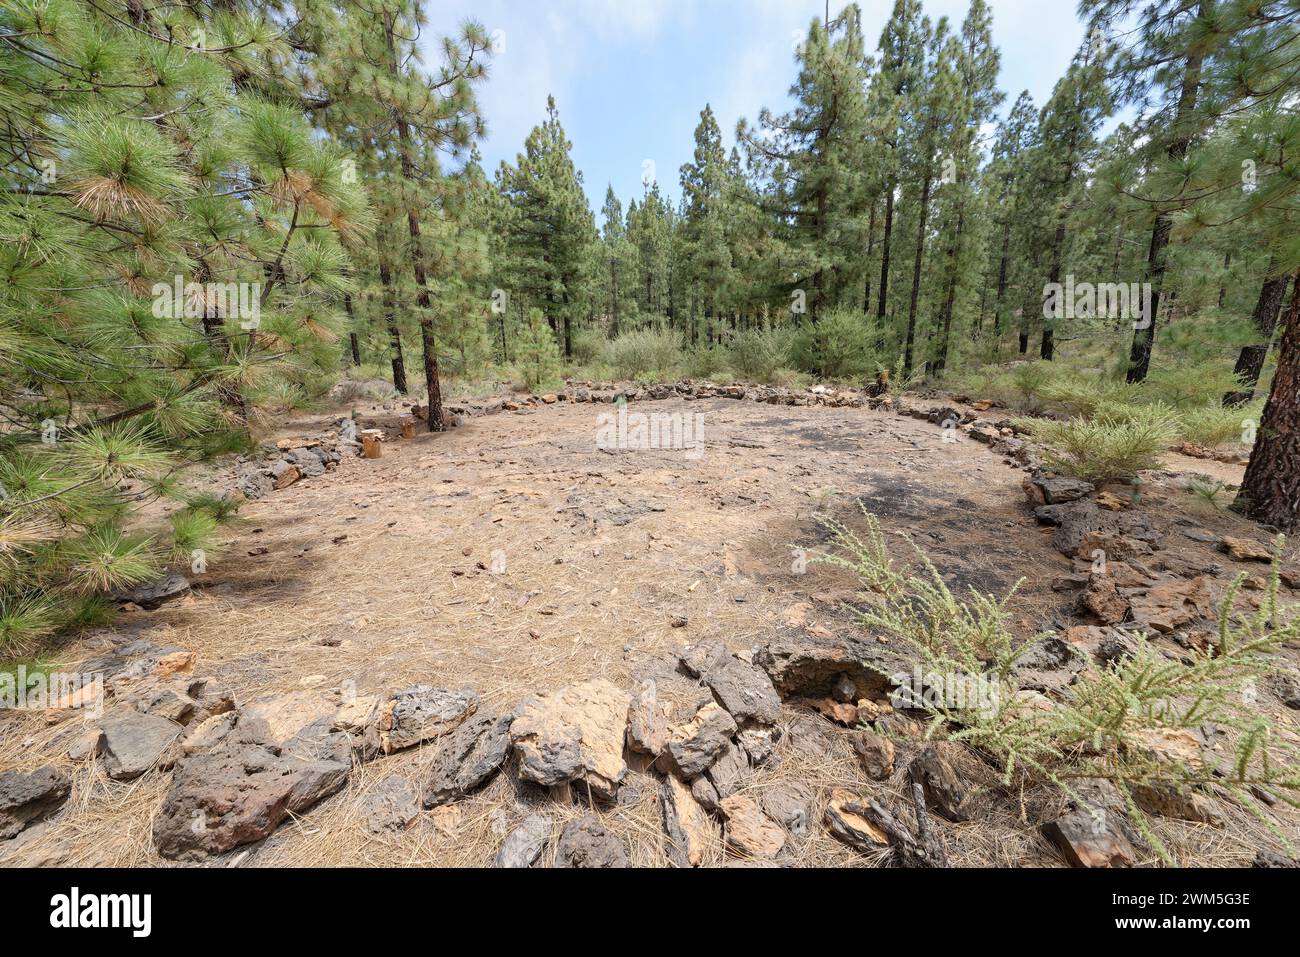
pixel 1090 837
pixel 132 660
pixel 524 844
pixel 1171 604
pixel 702 790
pixel 749 831
pixel 586 843
pixel 308 462
pixel 27 798
pixel 132 743
pixel 810 666
pixel 807 739
pixel 1111 547
pixel 744 690
pixel 1171 745
pixel 280 758
pixel 853 829
pixel 696 744
pixel 155 593
pixel 1074 520
pixel 1246 550
pixel 876 753
pixel 204 735
pixel 390 806
pixel 1055 490
pixel 1183 805
pixel 421 714
pixel 945 792
pixel 468 757
pixel 255 485
pixel 700 658
pixel 759 744
pixel 647 721
pixel 790 805
pixel 574 734
pixel 688 825
pixel 844 690
pixel 1272 859
pixel 1103 601
pixel 729 771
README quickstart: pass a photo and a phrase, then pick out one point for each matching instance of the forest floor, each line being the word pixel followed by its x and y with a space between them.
pixel 513 556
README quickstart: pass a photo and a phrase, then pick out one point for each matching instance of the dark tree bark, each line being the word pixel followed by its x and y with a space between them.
pixel 1251 360
pixel 1270 491
pixel 1144 336
pixel 916 275
pixel 886 239
pixel 390 314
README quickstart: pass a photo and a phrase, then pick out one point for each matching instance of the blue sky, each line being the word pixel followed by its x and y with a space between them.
pixel 631 76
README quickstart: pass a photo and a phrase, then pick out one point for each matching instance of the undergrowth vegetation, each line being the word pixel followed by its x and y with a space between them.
pixel 1135 722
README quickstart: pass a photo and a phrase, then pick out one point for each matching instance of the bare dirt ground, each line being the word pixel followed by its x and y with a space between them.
pixel 513 556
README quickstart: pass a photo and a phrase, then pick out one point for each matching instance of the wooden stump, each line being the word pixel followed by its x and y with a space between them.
pixel 408 430
pixel 371 447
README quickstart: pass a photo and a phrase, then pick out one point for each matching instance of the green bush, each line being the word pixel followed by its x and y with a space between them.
pixel 646 352
pixel 1104 449
pixel 1190 384
pixel 837 346
pixel 1214 424
pixel 537 354
pixel 756 354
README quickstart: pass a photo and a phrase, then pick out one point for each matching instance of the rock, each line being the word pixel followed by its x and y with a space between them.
pixel 841 713
pixel 1171 745
pixel 574 734
pixel 206 733
pixel 1090 837
pixel 586 843
pixel 421 714
pixel 1170 604
pixel 1246 550
pixel 744 690
pixel 1272 859
pixel 876 753
pixel 241 789
pixel 1113 502
pixel 468 757
pixel 749 831
pixel 702 790
pixel 810 666
pixel 853 829
pixel 702 657
pixel 1074 520
pixel 357 714
pixel 1054 490
pixel 690 829
pixel 1183 805
pixel 1111 547
pixel 524 844
pixel 27 798
pixel 944 791
pixel 807 739
pixel 790 805
pixel 695 745
pixel 647 722
pixel 133 743
pixel 759 744
pixel 1103 601
pixel 307 461
pixel 729 771
pixel 844 690
pixel 152 595
pixel 280 718
pixel 390 806
pixel 288 476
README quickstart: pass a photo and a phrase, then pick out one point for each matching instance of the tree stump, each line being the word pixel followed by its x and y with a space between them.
pixel 371 447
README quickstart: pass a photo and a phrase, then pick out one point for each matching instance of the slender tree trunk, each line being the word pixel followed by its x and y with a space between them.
pixel 1048 349
pixel 1002 278
pixel 390 314
pixel 883 294
pixel 950 298
pixel 871 248
pixel 1251 361
pixel 910 342
pixel 1270 492
pixel 1158 255
pixel 352 335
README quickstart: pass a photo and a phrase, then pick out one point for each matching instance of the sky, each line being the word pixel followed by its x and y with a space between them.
pixel 630 77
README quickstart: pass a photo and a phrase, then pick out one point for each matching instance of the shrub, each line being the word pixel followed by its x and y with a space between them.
pixel 758 353
pixel 588 345
pixel 653 352
pixel 1082 396
pixel 1116 716
pixel 537 354
pixel 707 362
pixel 1215 424
pixel 1103 449
pixel 1190 384
pixel 836 347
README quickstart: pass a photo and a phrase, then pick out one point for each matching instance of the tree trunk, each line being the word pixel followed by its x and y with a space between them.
pixel 1048 349
pixel 1251 361
pixel 353 343
pixel 1002 279
pixel 390 314
pixel 1144 336
pixel 883 294
pixel 916 276
pixel 1270 492
pixel 871 247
